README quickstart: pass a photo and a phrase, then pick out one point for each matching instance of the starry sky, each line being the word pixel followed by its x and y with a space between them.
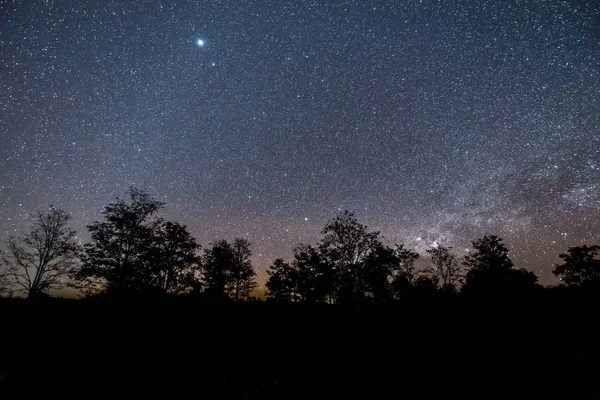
pixel 435 121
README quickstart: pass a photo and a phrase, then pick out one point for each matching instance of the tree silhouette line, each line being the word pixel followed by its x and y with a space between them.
pixel 133 252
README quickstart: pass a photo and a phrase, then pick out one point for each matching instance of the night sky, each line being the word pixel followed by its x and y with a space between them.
pixel 435 121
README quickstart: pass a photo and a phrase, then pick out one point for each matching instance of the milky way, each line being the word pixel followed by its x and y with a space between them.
pixel 435 121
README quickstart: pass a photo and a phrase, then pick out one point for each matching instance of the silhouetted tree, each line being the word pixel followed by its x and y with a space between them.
pixel 281 285
pixel 314 275
pixel 404 272
pixel 379 266
pixel 118 253
pixel 490 254
pixel 581 266
pixel 227 269
pixel 445 272
pixel 242 273
pixel 346 246
pixel 4 282
pixel 248 283
pixel 490 270
pixel 43 258
pixel 217 263
pixel 171 260
pixel 425 287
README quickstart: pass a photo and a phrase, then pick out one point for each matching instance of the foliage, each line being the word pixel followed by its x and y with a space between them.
pixel 216 267
pixel 171 261
pixel 281 285
pixel 581 266
pixel 132 251
pixel 346 245
pixel 490 254
pixel 379 266
pixel 227 270
pixel 492 271
pixel 118 252
pixel 242 274
pixel 315 279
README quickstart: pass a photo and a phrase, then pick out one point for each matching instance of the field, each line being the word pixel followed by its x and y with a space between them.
pixel 183 348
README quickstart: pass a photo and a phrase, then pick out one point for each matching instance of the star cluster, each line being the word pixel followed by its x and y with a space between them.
pixel 436 121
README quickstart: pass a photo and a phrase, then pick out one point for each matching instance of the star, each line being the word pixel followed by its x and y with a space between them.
pixel 294 124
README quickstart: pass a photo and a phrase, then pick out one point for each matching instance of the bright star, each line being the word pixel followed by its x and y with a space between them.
pixel 200 42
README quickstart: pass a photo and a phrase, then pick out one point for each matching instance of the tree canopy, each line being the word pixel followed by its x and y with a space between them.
pixel 227 270
pixel 491 271
pixel 133 251
pixel 120 244
pixel 581 266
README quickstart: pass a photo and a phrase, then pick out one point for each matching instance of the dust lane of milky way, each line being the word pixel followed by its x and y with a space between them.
pixel 437 122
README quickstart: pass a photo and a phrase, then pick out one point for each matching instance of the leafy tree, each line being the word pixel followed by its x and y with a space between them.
pixel 425 287
pixel 445 272
pixel 314 275
pixel 346 245
pixel 171 259
pixel 581 266
pixel 227 270
pixel 118 253
pixel 490 254
pixel 377 274
pixel 248 279
pixel 242 274
pixel 490 270
pixel 43 258
pixel 216 267
pixel 281 285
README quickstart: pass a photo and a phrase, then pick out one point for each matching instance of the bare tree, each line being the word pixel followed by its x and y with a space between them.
pixel 404 273
pixel 41 259
pixel 405 268
pixel 4 283
pixel 446 270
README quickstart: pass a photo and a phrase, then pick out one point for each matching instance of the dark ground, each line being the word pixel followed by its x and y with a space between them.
pixel 544 348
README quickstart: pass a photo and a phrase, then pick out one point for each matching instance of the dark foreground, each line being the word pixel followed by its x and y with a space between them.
pixel 452 348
